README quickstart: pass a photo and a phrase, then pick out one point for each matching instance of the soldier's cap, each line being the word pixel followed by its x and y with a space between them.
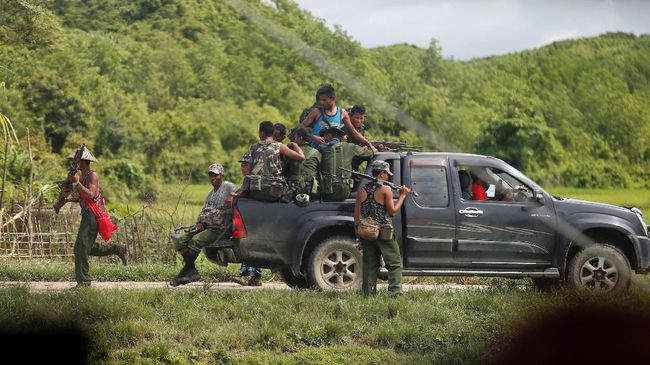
pixel 86 156
pixel 216 169
pixel 334 130
pixel 380 165
pixel 245 158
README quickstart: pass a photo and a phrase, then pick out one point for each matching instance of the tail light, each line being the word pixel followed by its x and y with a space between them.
pixel 238 229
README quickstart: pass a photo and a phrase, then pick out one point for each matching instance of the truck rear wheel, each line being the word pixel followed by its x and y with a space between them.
pixel 335 264
pixel 600 268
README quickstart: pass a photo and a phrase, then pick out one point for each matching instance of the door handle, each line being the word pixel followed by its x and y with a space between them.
pixel 471 212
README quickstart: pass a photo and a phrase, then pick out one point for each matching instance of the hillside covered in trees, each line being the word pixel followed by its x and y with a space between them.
pixel 160 88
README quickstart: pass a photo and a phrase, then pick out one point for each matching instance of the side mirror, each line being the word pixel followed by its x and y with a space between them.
pixel 539 197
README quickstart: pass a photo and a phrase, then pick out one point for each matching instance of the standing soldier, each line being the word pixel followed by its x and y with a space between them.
pixel 302 176
pixel 329 114
pixel 210 225
pixel 248 275
pixel 86 244
pixel 375 201
pixel 265 181
pixel 336 184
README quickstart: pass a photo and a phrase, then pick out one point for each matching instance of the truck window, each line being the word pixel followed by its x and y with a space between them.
pixel 430 183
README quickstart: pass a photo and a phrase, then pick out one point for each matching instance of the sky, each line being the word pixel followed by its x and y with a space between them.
pixel 467 29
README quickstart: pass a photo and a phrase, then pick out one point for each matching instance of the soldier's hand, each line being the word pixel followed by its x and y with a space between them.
pixel 72 179
pixel 317 139
pixel 199 227
pixel 404 190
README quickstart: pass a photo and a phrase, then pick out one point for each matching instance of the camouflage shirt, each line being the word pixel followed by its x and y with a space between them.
pixel 265 157
pixel 214 211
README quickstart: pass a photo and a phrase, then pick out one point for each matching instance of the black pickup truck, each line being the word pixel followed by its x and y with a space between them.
pixel 518 231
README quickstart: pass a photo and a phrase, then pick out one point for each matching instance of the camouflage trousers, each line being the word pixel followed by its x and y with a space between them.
pixel 196 241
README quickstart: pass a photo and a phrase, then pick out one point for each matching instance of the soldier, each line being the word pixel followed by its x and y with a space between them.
pixel 357 117
pixel 86 244
pixel 265 181
pixel 336 184
pixel 248 275
pixel 328 114
pixel 302 176
pixel 375 201
pixel 280 132
pixel 210 225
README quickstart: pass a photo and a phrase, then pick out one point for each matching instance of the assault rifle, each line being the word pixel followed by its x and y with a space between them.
pixel 372 178
pixel 66 186
pixel 395 146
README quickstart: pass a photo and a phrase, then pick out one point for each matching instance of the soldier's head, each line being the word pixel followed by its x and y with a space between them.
pixel 326 96
pixel 279 132
pixel 380 169
pixel 357 115
pixel 303 135
pixel 266 129
pixel 215 172
pixel 331 133
pixel 245 164
pixel 86 158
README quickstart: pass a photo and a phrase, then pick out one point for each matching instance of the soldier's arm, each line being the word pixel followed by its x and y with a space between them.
pixel 310 118
pixel 92 191
pixel 294 153
pixel 362 153
pixel 354 132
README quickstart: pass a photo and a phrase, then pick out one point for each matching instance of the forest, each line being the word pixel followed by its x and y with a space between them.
pixel 158 89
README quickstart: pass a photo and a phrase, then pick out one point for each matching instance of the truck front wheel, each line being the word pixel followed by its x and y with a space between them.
pixel 601 268
pixel 335 264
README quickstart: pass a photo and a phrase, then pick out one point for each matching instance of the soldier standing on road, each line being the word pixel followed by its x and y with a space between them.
pixel 210 225
pixel 302 176
pixel 248 275
pixel 86 244
pixel 336 184
pixel 375 201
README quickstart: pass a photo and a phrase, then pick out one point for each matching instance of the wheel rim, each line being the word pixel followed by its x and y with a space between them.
pixel 339 269
pixel 599 274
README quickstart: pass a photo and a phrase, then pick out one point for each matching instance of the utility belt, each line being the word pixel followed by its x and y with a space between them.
pixel 267 188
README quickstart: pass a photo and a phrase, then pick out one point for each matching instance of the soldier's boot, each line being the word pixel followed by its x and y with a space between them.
pixel 241 280
pixel 188 273
pixel 123 254
pixel 255 280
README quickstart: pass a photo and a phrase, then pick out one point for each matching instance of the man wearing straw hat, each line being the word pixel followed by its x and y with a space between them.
pixel 86 244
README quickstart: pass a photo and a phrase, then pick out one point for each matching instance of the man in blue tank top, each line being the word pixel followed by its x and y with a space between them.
pixel 330 115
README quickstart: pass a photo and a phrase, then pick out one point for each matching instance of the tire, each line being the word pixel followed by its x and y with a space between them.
pixel 546 285
pixel 600 268
pixel 292 280
pixel 335 264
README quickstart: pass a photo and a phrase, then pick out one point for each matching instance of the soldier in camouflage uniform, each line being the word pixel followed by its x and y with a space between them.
pixel 210 225
pixel 336 184
pixel 265 181
pixel 302 176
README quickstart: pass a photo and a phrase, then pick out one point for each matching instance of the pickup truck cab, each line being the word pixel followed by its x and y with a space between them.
pixel 518 231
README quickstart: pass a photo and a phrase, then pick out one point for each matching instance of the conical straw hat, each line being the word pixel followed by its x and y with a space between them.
pixel 86 156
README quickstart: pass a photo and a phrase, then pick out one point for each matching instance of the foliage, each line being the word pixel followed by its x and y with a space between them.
pixel 170 86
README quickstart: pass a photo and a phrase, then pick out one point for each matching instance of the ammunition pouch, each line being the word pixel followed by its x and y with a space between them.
pixel 265 188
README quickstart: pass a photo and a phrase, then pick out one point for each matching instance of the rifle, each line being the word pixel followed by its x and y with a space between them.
pixel 396 146
pixel 66 186
pixel 372 178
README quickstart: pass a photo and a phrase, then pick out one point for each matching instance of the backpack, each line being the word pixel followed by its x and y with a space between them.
pixel 306 111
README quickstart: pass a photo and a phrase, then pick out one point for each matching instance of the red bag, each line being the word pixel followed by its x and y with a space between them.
pixel 104 223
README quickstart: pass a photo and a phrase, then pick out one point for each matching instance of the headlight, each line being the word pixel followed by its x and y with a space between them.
pixel 639 215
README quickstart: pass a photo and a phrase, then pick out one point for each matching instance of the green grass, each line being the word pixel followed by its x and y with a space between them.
pixel 639 198
pixel 295 327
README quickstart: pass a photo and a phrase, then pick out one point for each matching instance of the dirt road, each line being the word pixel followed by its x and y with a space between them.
pixel 48 286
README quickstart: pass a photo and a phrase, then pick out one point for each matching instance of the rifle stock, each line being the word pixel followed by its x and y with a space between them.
pixel 66 186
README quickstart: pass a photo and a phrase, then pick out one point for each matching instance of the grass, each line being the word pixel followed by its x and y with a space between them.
pixel 639 198
pixel 294 327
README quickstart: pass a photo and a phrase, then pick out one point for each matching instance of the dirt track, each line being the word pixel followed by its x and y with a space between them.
pixel 47 286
